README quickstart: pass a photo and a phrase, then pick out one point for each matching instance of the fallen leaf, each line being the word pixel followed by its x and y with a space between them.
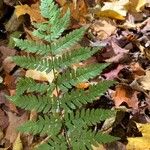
pixel 8 64
pixel 5 51
pixel 103 28
pixel 137 70
pixel 17 145
pixel 32 11
pixel 113 73
pixel 117 53
pixel 135 5
pixel 3 120
pixel 78 10
pixel 114 10
pixel 125 93
pixel 99 147
pixel 41 76
pixel 145 81
pixel 140 143
pixel 14 122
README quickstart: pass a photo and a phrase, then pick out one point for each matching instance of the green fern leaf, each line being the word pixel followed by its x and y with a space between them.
pixel 69 79
pixel 49 10
pixel 84 118
pixel 31 62
pixel 29 85
pixel 50 126
pixel 32 47
pixel 58 143
pixel 69 40
pixel 36 103
pixel 78 98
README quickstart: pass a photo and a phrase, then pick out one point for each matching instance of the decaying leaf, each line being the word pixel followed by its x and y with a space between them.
pixel 140 143
pixel 125 93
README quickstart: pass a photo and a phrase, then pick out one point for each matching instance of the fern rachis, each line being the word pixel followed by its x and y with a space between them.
pixel 64 118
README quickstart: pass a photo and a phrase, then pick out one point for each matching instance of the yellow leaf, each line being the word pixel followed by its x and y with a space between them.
pixel 18 144
pixel 41 76
pixel 135 5
pixel 114 10
pixel 111 14
pixel 140 143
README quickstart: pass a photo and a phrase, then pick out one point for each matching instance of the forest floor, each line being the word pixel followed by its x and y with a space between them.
pixel 122 29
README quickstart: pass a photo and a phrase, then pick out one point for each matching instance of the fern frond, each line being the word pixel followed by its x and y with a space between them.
pixel 72 78
pixel 56 143
pixel 55 29
pixel 29 85
pixel 37 103
pixel 67 41
pixel 44 126
pixel 32 47
pixel 77 98
pixel 30 62
pixel 84 118
pixel 69 58
pixel 84 139
pixel 49 10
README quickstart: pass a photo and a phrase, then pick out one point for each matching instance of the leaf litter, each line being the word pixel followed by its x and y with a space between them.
pixel 122 30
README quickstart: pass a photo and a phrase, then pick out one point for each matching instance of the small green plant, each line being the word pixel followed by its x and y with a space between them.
pixel 64 119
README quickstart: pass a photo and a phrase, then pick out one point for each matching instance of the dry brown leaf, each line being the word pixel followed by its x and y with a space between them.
pixel 78 12
pixel 14 122
pixel 3 120
pixel 135 5
pixel 137 70
pixel 103 28
pixel 125 93
pixel 32 11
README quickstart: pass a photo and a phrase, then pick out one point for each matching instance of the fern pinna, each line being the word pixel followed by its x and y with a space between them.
pixel 64 118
